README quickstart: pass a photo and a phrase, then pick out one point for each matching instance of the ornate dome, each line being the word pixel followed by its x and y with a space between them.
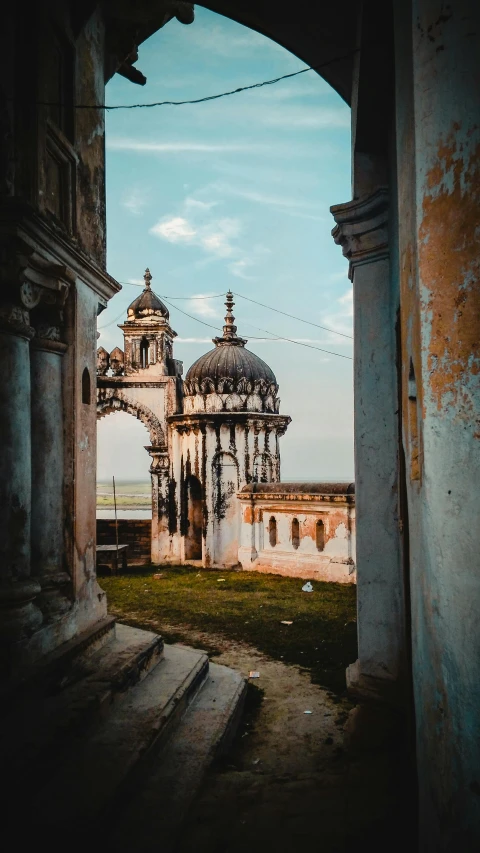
pixel 230 377
pixel 147 304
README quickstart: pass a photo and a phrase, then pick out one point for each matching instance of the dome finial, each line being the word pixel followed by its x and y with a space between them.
pixel 147 279
pixel 229 329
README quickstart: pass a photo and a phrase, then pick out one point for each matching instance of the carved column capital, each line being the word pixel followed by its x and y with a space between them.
pixel 14 319
pixel 160 460
pixel 362 229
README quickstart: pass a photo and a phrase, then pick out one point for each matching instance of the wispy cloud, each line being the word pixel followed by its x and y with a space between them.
pixel 214 236
pixel 202 306
pixel 180 146
pixel 341 319
pixel 134 200
pixel 292 206
pixel 175 229
pixel 219 40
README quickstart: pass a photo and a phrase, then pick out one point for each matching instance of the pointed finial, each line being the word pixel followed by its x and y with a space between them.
pixel 229 329
pixel 147 279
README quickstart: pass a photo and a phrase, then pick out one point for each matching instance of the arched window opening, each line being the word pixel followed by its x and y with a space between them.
pixel 86 390
pixel 272 531
pixel 295 533
pixel 144 352
pixel 320 535
pixel 194 519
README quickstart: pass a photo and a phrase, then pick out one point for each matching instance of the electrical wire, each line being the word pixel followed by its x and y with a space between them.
pixel 273 336
pixel 292 317
pixel 208 97
pixel 262 304
pixel 291 341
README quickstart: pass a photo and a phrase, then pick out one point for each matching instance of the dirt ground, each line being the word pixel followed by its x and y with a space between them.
pixel 299 782
pixel 333 780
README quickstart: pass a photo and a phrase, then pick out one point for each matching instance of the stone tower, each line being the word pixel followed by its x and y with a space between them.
pixel 148 335
pixel 144 380
pixel 227 436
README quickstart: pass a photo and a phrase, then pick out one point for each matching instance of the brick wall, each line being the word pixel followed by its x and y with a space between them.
pixel 136 533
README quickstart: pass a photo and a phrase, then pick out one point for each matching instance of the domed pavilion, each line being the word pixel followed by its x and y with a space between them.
pixel 226 437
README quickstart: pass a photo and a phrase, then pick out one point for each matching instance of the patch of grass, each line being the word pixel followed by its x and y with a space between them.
pixel 246 607
pixel 124 501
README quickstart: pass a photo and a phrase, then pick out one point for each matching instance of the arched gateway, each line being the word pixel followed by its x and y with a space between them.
pixel 144 380
pixel 210 435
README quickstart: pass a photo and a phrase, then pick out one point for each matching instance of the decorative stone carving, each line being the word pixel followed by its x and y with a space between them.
pixel 362 228
pixel 30 294
pixel 14 319
pixel 103 361
pixel 112 400
pixel 160 461
pixel 117 359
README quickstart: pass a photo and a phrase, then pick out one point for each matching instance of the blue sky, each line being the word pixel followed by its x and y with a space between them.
pixel 234 193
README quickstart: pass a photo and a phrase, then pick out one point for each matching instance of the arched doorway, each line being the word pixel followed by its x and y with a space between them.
pixel 121 453
pixel 194 519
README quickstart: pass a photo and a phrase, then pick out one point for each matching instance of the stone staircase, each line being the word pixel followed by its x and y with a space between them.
pixel 110 741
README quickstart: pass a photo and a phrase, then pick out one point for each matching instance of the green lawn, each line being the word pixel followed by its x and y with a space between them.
pixel 247 607
pixel 130 494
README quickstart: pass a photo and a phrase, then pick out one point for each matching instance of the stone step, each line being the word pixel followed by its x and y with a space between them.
pixel 109 760
pixel 43 721
pixel 156 809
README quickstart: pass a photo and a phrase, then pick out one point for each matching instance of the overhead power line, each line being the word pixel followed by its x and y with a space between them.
pixel 207 97
pixel 293 317
pixel 262 304
pixel 266 331
pixel 298 343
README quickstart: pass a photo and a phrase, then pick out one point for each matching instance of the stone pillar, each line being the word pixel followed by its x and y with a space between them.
pixel 159 470
pixel 48 471
pixel 362 232
pixel 19 616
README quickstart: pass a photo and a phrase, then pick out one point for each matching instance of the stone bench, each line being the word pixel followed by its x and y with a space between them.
pixel 116 552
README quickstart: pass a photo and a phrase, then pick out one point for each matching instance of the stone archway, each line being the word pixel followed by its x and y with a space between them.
pixel 115 400
pixel 111 400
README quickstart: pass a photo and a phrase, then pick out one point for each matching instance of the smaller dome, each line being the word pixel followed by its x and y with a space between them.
pixel 230 377
pixel 147 304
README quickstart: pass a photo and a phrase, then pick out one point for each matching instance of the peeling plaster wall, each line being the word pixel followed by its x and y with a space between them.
pixel 440 272
pixel 222 454
pixel 334 562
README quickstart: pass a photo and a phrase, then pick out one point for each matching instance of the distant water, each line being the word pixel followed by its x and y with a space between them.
pixel 124 513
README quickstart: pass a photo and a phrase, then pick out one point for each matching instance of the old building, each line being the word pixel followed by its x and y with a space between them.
pixel 210 435
pixel 410 71
pixel 299 529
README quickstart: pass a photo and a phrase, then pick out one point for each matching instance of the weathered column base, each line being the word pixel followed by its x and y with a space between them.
pixel 53 599
pixel 19 616
pixel 369 688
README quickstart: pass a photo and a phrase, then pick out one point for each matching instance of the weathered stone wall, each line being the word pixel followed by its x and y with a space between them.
pixel 221 451
pixel 299 530
pixel 438 88
pixel 136 533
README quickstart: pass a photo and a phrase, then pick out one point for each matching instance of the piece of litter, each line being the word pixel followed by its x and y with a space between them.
pixel 254 674
pixel 219 580
pixel 308 712
pixel 158 576
pixel 285 622
pixel 307 587
pixel 255 761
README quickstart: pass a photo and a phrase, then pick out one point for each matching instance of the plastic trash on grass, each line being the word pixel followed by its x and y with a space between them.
pixel 307 587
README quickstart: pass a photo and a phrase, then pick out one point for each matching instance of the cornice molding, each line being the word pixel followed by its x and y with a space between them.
pixel 362 229
pixel 53 252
